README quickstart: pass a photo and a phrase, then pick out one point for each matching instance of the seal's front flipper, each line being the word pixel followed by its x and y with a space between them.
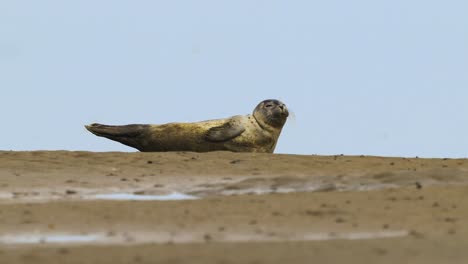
pixel 224 132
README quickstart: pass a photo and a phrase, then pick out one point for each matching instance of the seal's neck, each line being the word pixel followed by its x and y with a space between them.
pixel 274 130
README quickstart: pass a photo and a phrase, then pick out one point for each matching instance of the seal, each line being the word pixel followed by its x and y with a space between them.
pixel 256 132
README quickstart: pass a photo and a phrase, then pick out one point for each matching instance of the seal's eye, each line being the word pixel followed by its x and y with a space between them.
pixel 268 105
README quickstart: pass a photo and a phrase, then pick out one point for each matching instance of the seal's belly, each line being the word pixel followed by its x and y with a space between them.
pixel 180 137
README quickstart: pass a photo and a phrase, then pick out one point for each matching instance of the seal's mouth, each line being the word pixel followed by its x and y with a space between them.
pixel 284 111
pixel 278 116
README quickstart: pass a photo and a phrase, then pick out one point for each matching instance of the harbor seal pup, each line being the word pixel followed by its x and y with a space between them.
pixel 257 132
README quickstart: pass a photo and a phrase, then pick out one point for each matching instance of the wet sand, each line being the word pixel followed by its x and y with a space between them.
pixel 253 208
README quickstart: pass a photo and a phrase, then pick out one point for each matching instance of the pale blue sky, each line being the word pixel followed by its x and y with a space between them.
pixel 362 77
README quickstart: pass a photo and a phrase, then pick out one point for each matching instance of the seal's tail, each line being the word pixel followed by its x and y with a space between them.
pixel 129 134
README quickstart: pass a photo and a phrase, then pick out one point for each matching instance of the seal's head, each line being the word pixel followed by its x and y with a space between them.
pixel 271 113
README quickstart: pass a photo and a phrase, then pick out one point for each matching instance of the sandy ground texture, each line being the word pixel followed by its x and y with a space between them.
pixel 250 208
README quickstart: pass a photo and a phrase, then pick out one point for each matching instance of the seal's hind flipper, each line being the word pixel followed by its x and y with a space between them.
pixel 224 132
pixel 130 135
pixel 116 131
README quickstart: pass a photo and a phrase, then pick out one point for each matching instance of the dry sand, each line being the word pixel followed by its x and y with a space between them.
pixel 253 208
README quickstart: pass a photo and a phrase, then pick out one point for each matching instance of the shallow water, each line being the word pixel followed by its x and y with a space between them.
pixel 22 239
pixel 141 197
pixel 245 185
pixel 50 238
